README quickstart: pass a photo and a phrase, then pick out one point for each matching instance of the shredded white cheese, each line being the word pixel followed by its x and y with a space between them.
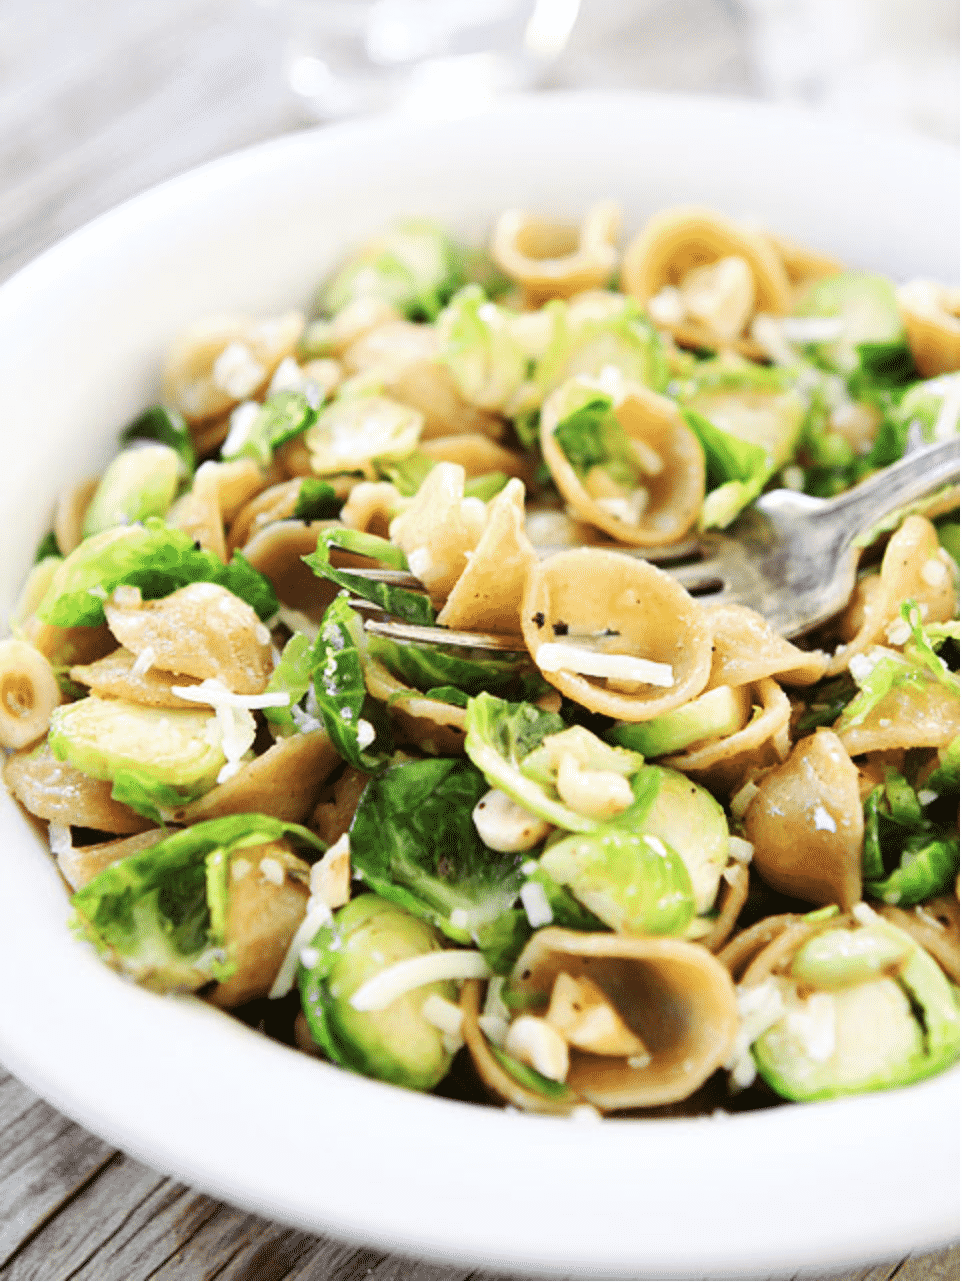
pixel 555 656
pixel 415 972
pixel 318 915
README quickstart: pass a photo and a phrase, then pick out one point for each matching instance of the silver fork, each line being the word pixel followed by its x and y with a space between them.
pixel 790 557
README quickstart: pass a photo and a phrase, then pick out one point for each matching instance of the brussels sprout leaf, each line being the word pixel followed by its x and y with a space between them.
pixel 414 842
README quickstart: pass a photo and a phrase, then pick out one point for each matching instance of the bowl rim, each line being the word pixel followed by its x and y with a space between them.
pixel 113 1100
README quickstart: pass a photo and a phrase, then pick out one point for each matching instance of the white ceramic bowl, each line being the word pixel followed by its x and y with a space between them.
pixel 196 1094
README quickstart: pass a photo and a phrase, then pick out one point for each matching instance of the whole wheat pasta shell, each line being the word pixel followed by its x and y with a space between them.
pixel 58 792
pixel 806 824
pixel 747 648
pixel 555 260
pixel 930 314
pixel 914 567
pixel 674 493
pixel 261 920
pixel 435 727
pixel 487 595
pixel 642 612
pixel 675 995
pixel 285 782
pixel 762 741
pixel 676 241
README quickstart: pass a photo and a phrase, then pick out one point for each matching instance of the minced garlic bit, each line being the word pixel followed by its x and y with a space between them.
pixel 534 1042
pixel 534 901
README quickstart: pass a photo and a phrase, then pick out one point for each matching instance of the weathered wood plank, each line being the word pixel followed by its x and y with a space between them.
pixel 934 1266
pixel 44 1160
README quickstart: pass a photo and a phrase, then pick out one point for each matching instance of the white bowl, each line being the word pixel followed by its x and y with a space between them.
pixel 198 1095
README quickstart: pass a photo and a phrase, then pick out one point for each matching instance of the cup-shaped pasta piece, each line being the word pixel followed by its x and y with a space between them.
pixel 435 727
pixel 218 492
pixel 802 264
pixel 276 503
pixel 81 864
pixel 337 803
pixel 709 275
pixel 58 792
pixel 263 914
pixel 487 595
pixel 117 676
pixel 747 648
pixel 806 824
pixel 745 946
pixel 284 782
pixel 372 506
pixel 933 925
pixel 763 740
pixel 555 260
pixel 665 463
pixel 29 692
pixel 201 630
pixel 615 634
pixel 731 900
pixel 278 550
pixel 930 314
pixel 226 359
pixel 439 529
pixel 673 995
pixel 478 455
pixel 914 568
pixel 908 716
pixel 501 1084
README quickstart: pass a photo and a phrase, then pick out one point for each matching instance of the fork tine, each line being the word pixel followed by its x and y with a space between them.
pixel 702 576
pixel 443 636
pixel 395 578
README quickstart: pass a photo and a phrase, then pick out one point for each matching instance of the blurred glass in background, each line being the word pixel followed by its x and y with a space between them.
pixel 429 57
pixel 888 63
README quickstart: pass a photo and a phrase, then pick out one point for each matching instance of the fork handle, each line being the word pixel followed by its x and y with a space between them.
pixel 894 487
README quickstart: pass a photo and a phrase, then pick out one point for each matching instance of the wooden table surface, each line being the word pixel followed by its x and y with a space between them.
pixel 100 99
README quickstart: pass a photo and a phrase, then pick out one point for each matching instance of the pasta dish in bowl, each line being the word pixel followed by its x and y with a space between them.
pixel 648 866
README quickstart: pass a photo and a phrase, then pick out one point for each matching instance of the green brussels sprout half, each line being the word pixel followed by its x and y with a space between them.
pixel 414 266
pixel 867 311
pixel 396 1044
pixel 879 1013
pixel 710 716
pixel 633 882
pixel 140 482
pixel 157 758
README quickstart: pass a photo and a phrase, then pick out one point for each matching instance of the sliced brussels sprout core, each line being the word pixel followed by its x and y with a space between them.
pixel 396 1044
